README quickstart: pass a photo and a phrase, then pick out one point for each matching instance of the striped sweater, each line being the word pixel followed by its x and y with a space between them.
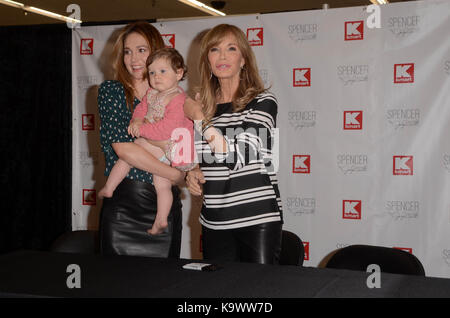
pixel 241 186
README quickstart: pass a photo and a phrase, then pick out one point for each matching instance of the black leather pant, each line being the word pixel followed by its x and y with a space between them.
pixel 254 244
pixel 125 218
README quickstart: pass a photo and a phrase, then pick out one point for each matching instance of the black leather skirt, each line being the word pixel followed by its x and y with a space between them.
pixel 125 218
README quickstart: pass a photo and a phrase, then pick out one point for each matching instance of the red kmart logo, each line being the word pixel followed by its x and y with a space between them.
pixel 88 122
pixel 354 30
pixel 87 47
pixel 301 164
pixel 306 249
pixel 169 40
pixel 404 73
pixel 403 165
pixel 302 77
pixel 255 36
pixel 351 209
pixel 353 119
pixel 89 197
pixel 405 249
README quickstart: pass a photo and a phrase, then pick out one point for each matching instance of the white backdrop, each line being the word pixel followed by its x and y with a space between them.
pixel 364 118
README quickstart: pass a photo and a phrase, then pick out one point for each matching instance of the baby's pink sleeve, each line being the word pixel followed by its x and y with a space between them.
pixel 173 118
pixel 141 109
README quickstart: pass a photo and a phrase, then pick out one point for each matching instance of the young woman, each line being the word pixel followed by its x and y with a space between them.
pixel 157 121
pixel 126 216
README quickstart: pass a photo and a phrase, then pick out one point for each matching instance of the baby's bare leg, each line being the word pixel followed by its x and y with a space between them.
pixel 164 203
pixel 163 191
pixel 117 174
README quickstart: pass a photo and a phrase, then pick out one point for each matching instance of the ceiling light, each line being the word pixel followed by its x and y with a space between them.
pixel 203 7
pixel 379 1
pixel 13 4
pixel 39 11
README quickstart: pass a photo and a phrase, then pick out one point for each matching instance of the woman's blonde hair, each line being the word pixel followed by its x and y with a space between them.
pixel 155 42
pixel 250 84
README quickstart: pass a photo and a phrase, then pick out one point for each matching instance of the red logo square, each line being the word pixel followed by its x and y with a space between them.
pixel 354 30
pixel 404 73
pixel 301 164
pixel 88 122
pixel 353 119
pixel 351 209
pixel 406 249
pixel 89 197
pixel 169 40
pixel 403 165
pixel 255 36
pixel 306 249
pixel 87 47
pixel 302 77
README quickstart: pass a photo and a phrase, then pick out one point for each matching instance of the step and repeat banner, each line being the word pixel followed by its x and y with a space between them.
pixel 364 124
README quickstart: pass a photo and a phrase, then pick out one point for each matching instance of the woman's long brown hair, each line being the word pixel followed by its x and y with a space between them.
pixel 155 41
pixel 250 84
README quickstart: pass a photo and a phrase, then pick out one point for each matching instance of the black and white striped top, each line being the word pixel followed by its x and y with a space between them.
pixel 241 186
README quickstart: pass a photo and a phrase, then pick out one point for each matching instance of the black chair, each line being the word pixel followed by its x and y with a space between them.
pixel 292 250
pixel 390 260
pixel 83 242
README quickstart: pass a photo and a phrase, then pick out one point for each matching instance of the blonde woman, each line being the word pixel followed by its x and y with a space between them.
pixel 241 216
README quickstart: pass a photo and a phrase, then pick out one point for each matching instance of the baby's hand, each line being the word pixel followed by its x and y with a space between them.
pixel 134 127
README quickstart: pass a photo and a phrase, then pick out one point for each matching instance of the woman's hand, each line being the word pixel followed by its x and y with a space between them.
pixel 193 109
pixel 194 181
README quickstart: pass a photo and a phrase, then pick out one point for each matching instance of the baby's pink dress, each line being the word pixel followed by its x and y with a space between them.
pixel 173 118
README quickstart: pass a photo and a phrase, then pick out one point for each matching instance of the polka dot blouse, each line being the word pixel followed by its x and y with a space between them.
pixel 115 118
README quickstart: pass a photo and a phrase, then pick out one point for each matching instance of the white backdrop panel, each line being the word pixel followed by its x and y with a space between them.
pixel 364 154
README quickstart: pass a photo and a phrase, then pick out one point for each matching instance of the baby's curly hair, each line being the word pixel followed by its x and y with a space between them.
pixel 172 55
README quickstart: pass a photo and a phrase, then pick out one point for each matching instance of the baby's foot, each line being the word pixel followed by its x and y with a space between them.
pixel 158 227
pixel 105 193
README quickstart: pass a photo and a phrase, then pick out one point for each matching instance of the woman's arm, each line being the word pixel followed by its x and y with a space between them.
pixel 251 143
pixel 141 159
pixel 215 139
pixel 254 142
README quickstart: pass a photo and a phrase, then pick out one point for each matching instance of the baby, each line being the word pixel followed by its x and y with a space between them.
pixel 167 132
